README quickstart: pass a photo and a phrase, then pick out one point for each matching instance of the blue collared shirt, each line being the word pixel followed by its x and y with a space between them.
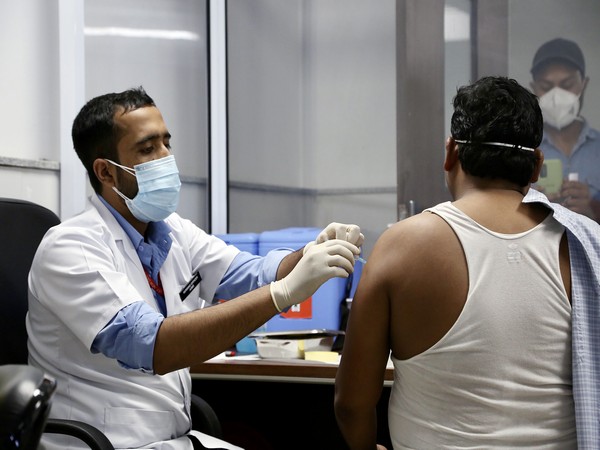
pixel 130 336
pixel 584 250
pixel 583 160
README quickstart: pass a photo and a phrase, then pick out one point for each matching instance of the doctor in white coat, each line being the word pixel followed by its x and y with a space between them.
pixel 116 293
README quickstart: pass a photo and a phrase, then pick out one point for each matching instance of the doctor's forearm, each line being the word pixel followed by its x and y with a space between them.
pixel 288 263
pixel 192 338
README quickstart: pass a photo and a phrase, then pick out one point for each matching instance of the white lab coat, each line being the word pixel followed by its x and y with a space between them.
pixel 85 270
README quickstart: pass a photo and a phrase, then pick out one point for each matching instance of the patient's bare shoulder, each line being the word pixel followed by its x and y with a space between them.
pixel 422 233
pixel 415 247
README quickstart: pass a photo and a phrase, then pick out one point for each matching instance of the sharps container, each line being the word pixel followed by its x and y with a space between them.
pixel 322 310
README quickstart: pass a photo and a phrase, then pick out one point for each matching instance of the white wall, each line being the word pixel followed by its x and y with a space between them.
pixel 162 46
pixel 172 70
pixel 29 89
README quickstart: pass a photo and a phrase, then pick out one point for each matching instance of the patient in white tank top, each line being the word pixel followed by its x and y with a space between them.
pixel 470 298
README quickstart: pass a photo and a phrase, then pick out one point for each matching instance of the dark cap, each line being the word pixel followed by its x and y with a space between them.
pixel 559 50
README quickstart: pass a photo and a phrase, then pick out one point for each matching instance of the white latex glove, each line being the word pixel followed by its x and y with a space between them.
pixel 320 262
pixel 347 232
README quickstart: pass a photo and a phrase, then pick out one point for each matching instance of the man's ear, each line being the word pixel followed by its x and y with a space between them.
pixel 103 172
pixel 585 83
pixel 539 162
pixel 451 158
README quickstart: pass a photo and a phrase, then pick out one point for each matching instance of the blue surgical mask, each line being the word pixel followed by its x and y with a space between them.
pixel 158 189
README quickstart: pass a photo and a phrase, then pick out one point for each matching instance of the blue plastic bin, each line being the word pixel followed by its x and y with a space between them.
pixel 247 242
pixel 323 312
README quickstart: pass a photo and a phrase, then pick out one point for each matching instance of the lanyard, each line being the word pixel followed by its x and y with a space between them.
pixel 155 287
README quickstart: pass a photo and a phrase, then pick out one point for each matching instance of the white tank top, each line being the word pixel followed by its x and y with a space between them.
pixel 501 376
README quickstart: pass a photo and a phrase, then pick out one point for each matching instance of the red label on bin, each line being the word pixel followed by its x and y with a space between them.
pixel 300 311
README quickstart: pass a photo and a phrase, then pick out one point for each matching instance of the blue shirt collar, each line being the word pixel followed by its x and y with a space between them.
pixel 152 253
pixel 586 131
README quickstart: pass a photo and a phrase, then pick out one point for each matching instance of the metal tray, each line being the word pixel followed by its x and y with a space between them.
pixel 297 334
pixel 293 344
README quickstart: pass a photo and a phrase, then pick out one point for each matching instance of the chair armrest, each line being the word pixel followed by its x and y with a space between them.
pixel 204 418
pixel 89 434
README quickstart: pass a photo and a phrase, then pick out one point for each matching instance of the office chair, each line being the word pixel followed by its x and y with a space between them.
pixel 24 390
pixel 25 398
pixel 22 226
pixel 25 401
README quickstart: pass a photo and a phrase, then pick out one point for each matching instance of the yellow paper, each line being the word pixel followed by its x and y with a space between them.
pixel 322 356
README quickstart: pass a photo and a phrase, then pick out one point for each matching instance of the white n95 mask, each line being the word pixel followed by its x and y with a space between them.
pixel 559 107
pixel 158 189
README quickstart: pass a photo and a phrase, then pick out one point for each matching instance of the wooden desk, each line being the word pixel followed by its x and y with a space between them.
pixel 278 405
pixel 256 369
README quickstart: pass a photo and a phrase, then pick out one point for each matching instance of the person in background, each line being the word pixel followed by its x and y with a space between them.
pixel 116 293
pixel 487 305
pixel 559 80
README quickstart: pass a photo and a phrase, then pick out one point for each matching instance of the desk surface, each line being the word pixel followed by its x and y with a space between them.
pixel 257 369
pixel 245 390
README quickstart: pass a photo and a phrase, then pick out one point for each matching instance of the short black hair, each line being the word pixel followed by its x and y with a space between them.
pixel 497 109
pixel 94 132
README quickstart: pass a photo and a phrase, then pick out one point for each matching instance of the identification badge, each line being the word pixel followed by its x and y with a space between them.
pixel 190 286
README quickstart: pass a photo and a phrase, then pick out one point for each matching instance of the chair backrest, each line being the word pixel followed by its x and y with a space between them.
pixel 22 226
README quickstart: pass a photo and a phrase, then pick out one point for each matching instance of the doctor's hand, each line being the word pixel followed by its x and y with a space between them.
pixel 347 232
pixel 320 262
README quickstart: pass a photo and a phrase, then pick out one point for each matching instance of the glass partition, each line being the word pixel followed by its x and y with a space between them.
pixel 553 50
pixel 313 97
pixel 311 105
